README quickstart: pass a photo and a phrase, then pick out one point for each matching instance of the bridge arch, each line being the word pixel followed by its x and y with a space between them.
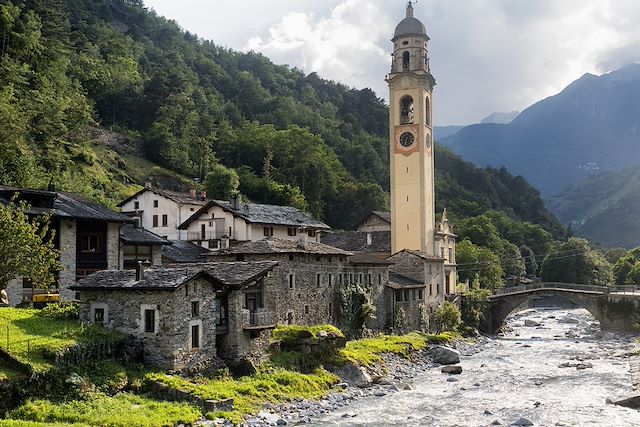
pixel 500 306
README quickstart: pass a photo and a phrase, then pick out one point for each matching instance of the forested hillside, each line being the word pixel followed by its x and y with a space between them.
pixel 180 107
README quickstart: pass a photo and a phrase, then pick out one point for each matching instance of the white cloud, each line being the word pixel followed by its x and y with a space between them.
pixel 486 55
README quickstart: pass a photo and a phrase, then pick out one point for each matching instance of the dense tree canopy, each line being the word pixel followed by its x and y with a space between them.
pixel 574 261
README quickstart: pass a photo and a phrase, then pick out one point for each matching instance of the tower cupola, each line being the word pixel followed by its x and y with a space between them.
pixel 410 26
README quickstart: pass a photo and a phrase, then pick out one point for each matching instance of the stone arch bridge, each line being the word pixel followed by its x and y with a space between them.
pixel 615 307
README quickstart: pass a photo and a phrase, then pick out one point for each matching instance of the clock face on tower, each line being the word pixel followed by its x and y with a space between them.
pixel 406 139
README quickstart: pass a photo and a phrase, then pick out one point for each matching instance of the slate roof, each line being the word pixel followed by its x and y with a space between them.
pixel 132 235
pixel 63 205
pixel 178 197
pixel 356 241
pixel 367 258
pixel 423 255
pixel 263 214
pixel 398 281
pixel 273 245
pixel 227 274
pixel 182 251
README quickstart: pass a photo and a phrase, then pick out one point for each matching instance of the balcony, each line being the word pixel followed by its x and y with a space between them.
pixel 257 320
pixel 193 236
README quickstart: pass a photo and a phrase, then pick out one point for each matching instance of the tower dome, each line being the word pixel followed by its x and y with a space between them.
pixel 410 25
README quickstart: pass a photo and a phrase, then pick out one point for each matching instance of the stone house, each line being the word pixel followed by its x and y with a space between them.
pixel 181 252
pixel 218 223
pixel 308 277
pixel 376 243
pixel 162 211
pixel 87 236
pixel 138 244
pixel 184 315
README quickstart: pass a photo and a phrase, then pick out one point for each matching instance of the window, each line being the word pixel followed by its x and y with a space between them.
pixel 240 257
pixel 292 231
pixel 318 279
pixel 155 220
pixel 292 281
pixel 427 112
pixel 330 310
pixel 406 295
pixel 136 205
pixel 191 209
pixel 360 278
pixel 135 253
pixel 221 310
pixel 420 294
pixel 405 61
pixel 379 279
pixel 253 300
pixel 406 110
pixel 98 315
pixel 165 220
pixel 195 308
pixel 267 231
pixel 306 309
pixel 155 203
pixel 330 279
pixel 291 258
pixel 450 259
pixel 398 296
pixel 195 336
pixel 438 289
pixel 91 243
pixel 150 320
pixel 311 233
pixel 431 289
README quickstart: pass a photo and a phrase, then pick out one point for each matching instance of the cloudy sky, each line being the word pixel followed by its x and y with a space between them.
pixel 486 55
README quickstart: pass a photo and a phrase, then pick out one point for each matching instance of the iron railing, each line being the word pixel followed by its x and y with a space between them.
pixel 258 319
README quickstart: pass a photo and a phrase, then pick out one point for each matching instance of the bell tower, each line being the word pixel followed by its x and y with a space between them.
pixel 411 143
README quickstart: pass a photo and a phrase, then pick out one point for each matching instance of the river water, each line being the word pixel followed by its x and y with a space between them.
pixel 517 375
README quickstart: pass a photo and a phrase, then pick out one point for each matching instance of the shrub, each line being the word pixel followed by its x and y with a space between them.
pixel 447 317
pixel 292 333
pixel 63 310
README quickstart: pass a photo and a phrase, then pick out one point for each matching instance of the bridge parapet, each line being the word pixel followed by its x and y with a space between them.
pixel 551 285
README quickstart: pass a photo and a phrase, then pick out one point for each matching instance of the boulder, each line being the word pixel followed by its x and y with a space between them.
pixel 522 422
pixel 446 355
pixel 529 322
pixel 451 369
pixel 630 402
pixel 354 375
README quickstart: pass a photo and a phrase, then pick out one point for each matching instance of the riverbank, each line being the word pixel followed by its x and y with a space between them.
pixel 392 374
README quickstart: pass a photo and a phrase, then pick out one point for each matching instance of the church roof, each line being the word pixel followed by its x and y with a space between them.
pixel 410 25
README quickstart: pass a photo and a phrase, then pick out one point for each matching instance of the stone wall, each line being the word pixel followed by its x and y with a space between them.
pixel 113 246
pixel 14 292
pixel 169 347
pixel 67 276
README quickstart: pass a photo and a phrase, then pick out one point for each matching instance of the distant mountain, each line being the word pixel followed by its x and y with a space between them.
pixel 502 118
pixel 440 132
pixel 592 125
pixel 603 208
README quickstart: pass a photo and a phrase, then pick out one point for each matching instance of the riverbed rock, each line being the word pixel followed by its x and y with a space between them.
pixel 522 422
pixel 452 380
pixel 630 402
pixel 451 369
pixel 582 366
pixel 407 387
pixel 496 423
pixel 446 355
pixel 354 375
pixel 529 322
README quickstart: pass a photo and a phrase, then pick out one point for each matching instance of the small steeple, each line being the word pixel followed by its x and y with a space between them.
pixel 444 216
pixel 409 10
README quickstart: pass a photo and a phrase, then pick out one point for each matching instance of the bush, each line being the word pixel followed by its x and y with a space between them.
pixel 61 310
pixel 291 333
pixel 447 317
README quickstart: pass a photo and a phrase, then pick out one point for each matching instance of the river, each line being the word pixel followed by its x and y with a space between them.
pixel 517 375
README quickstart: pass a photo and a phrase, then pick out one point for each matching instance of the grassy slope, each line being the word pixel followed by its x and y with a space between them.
pixel 33 339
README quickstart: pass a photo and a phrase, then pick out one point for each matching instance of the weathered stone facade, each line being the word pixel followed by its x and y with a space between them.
pixel 68 242
pixel 169 345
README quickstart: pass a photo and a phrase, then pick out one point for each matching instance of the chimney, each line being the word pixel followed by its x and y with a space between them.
pixel 147 184
pixel 140 271
pixel 193 193
pixel 235 202
pixel 369 239
pixel 203 195
pixel 245 208
pixel 224 242
pixel 52 186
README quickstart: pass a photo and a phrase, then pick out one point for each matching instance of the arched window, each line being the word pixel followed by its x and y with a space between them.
pixel 405 61
pixel 427 111
pixel 406 110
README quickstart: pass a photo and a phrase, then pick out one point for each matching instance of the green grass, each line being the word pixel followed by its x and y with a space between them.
pixel 122 410
pixel 367 351
pixel 34 339
pixel 251 393
pixel 20 423
pixel 289 333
